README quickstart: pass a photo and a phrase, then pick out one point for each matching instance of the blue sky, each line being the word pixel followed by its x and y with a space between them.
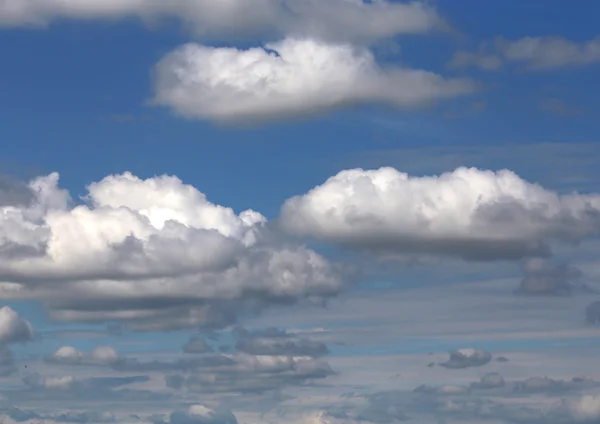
pixel 386 272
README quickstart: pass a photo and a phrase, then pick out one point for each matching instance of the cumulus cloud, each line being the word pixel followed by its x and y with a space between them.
pixel 543 278
pixel 353 20
pixel 469 213
pixel 465 358
pixel 290 78
pixel 154 254
pixel 535 53
pixel 13 328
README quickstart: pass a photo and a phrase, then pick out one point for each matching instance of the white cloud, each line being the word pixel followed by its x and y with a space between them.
pixel 333 19
pixel 13 328
pixel 469 213
pixel 303 77
pixel 536 53
pixel 68 355
pixel 144 249
pixel 585 408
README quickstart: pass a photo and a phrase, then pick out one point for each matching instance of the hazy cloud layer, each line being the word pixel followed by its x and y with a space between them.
pixel 287 79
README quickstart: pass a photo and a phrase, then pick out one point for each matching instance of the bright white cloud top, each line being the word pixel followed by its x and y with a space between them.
pixel 333 19
pixel 293 77
pixel 155 253
pixel 471 213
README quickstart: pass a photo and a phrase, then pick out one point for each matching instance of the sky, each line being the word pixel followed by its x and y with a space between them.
pixel 299 212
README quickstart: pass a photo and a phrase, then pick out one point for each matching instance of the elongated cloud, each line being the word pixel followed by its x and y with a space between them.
pixel 290 78
pixel 469 213
pixel 334 19
pixel 154 253
pixel 535 53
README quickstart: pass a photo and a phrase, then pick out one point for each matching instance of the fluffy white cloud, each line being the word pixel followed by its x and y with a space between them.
pixel 536 53
pixel 68 355
pixel 143 249
pixel 338 19
pixel 13 328
pixel 470 213
pixel 293 77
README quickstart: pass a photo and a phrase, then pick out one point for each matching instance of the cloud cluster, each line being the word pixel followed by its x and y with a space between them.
pixel 535 53
pixel 154 254
pixel 290 78
pixel 353 20
pixel 469 213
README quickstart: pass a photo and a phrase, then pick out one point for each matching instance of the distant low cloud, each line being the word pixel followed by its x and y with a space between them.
pixel 465 358
pixel 489 381
pixel 68 355
pixel 469 213
pixel 535 53
pixel 279 343
pixel 251 374
pixel 200 414
pixel 289 79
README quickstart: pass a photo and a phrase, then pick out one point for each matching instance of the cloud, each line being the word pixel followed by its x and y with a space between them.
pixel 290 78
pixel 200 414
pixel 469 213
pixel 489 381
pixel 197 345
pixel 585 408
pixel 68 355
pixel 153 254
pixel 535 53
pixel 558 107
pixel 543 278
pixel 592 313
pixel 14 192
pixel 275 342
pixel 351 20
pixel 465 358
pixel 251 374
pixel 7 363
pixel 13 328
